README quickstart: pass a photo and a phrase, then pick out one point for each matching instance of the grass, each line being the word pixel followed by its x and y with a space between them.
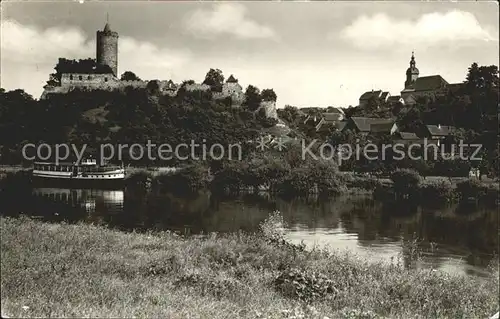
pixel 61 270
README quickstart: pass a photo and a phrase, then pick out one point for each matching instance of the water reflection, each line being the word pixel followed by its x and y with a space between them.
pixel 450 239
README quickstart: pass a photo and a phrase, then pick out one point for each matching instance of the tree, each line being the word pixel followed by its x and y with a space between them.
pixel 214 79
pixel 129 76
pixel 405 181
pixel 268 95
pixel 290 114
pixel 153 87
pixel 252 98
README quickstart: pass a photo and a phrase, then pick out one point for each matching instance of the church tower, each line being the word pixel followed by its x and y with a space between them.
pixel 411 72
pixel 107 48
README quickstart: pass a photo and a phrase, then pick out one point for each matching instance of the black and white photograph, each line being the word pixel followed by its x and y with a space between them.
pixel 249 159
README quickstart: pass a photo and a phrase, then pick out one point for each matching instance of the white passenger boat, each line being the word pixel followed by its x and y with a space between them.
pixel 86 171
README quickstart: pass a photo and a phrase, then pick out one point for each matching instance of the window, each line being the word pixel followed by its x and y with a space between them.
pixel 105 79
pixel 71 77
pixel 80 78
pixel 88 77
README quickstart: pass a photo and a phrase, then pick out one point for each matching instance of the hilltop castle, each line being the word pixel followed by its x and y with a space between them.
pixel 107 77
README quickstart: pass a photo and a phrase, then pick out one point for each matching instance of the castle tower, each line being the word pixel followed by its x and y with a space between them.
pixel 411 72
pixel 107 48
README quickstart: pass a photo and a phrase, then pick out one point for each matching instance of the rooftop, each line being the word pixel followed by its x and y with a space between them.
pixel 369 94
pixel 408 136
pixel 231 79
pixel 364 123
pixel 440 130
pixel 429 83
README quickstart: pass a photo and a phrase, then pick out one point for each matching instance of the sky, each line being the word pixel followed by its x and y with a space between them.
pixel 313 54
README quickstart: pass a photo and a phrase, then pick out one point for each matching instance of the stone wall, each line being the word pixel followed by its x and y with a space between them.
pixel 196 87
pixel 110 82
pixel 270 109
pixel 80 79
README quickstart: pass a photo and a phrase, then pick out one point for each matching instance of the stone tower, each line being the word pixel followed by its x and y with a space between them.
pixel 411 72
pixel 107 48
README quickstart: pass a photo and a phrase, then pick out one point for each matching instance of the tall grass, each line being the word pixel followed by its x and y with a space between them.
pixel 62 270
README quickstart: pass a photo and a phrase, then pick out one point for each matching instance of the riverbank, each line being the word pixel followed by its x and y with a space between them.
pixel 62 270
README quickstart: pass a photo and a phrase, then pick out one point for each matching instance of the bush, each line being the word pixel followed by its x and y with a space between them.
pixel 491 193
pixel 298 181
pixel 361 182
pixel 186 181
pixel 229 178
pixel 436 191
pixel 326 176
pixel 471 188
pixel 304 284
pixel 139 181
pixel 405 181
pixel 17 181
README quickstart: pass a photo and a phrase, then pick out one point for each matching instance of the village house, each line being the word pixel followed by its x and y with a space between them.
pixel 367 125
pixel 409 138
pixel 325 121
pixel 395 99
pixel 379 96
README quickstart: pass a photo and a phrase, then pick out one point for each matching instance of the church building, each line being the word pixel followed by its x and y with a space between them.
pixel 416 86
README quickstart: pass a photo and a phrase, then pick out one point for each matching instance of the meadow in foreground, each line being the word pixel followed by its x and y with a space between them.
pixel 62 270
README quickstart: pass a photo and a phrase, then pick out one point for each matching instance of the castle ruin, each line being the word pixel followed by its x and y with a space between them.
pixel 107 57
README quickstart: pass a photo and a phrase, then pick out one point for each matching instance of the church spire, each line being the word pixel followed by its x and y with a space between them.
pixel 412 72
pixel 412 61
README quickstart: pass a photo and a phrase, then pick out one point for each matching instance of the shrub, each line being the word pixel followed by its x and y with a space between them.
pixel 139 181
pixel 471 188
pixel 276 172
pixel 436 191
pixel 229 178
pixel 298 181
pixel 362 182
pixel 305 285
pixel 17 181
pixel 327 178
pixel 185 181
pixel 272 229
pixel 405 181
pixel 491 193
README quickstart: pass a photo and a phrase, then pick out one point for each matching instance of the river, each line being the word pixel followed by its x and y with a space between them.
pixel 452 239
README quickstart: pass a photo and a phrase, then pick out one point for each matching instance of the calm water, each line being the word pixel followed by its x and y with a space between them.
pixel 451 240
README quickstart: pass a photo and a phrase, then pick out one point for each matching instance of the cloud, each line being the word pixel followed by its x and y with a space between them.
pixel 149 61
pixel 28 44
pixel 226 18
pixel 29 55
pixel 380 30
